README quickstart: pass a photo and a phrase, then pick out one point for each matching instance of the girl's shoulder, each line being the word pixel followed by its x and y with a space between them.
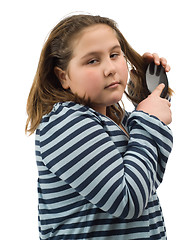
pixel 61 108
pixel 66 112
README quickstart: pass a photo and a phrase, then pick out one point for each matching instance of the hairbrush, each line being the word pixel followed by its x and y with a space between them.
pixel 155 75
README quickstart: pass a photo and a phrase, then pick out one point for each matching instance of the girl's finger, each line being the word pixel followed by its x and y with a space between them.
pixel 167 68
pixel 148 57
pixel 164 64
pixel 156 58
pixel 163 61
pixel 158 90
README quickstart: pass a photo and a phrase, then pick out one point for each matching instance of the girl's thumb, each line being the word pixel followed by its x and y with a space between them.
pixel 158 90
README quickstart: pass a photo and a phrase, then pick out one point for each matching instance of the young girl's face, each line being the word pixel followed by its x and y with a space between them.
pixel 98 69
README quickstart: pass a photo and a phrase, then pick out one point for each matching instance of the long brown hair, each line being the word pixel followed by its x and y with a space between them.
pixel 57 51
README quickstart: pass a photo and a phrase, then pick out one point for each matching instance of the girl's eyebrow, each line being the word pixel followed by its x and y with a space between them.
pixel 99 52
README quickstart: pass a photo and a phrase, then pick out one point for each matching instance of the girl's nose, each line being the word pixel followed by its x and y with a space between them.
pixel 109 68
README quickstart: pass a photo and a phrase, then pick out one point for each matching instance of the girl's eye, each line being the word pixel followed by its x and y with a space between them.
pixel 93 61
pixel 114 55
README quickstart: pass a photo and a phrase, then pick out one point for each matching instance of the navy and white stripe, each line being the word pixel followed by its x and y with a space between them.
pixel 95 182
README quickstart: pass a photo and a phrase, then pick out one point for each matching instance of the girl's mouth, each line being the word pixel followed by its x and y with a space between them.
pixel 113 85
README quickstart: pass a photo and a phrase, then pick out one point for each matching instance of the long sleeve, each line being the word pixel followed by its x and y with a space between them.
pixel 76 148
pixel 153 140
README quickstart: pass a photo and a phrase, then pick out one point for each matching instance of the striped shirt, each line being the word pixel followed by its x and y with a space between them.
pixel 96 182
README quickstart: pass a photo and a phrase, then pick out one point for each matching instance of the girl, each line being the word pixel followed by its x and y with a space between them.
pixel 99 166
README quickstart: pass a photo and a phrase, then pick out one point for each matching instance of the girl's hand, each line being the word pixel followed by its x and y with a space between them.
pixel 148 57
pixel 157 106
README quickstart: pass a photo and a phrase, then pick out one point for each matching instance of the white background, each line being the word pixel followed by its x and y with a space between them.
pixel 166 27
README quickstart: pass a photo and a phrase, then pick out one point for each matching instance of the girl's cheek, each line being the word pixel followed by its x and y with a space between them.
pixel 91 74
pixel 92 78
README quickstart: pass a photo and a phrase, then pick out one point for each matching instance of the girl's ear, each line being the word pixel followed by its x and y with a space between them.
pixel 62 76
